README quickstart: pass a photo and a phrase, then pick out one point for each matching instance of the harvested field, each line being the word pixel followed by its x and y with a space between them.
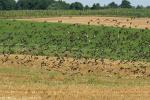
pixel 141 23
pixel 30 79
pixel 77 92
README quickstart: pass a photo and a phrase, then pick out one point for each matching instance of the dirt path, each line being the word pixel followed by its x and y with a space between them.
pixel 141 23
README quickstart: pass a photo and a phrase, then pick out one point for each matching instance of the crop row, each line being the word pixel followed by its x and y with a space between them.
pixel 49 13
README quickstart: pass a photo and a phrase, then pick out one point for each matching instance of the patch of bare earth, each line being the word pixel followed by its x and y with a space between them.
pixel 141 23
pixel 71 66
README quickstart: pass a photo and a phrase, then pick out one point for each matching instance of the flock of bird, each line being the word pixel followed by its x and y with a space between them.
pixel 72 66
pixel 129 23
pixel 125 23
pixel 79 64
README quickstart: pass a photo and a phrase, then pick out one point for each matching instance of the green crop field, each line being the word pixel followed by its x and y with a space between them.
pixel 20 37
pixel 52 13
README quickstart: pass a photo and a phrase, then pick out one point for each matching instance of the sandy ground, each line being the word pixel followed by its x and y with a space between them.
pixel 141 23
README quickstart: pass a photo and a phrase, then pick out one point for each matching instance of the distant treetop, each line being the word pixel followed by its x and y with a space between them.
pixel 59 5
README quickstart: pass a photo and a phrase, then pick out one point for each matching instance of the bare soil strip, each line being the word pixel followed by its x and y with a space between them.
pixel 140 23
pixel 71 66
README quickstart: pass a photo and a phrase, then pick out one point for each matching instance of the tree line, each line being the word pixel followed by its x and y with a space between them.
pixel 58 5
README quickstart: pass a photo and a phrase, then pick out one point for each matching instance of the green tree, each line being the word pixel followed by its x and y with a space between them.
pixel 7 4
pixel 58 5
pixel 76 6
pixel 139 7
pixel 125 4
pixel 43 4
pixel 96 6
pixel 112 5
pixel 86 7
pixel 148 7
pixel 34 4
pixel 25 4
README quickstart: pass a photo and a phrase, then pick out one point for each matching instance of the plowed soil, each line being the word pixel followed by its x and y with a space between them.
pixel 141 23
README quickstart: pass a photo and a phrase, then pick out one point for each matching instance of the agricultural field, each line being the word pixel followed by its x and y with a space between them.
pixel 42 60
pixel 20 37
pixel 124 12
pixel 74 50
